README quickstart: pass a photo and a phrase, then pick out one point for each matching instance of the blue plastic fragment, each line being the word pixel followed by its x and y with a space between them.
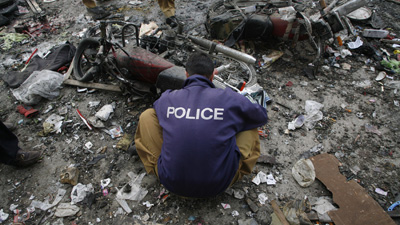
pixel 393 206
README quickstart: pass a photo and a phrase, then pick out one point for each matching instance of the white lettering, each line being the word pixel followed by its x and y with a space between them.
pixel 188 115
pixel 197 114
pixel 183 112
pixel 218 112
pixel 170 111
pixel 205 114
pixel 208 117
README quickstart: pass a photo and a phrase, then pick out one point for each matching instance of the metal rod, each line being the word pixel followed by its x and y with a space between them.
pixel 223 49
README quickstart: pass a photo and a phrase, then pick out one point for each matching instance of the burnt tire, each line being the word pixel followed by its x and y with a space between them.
pixel 85 67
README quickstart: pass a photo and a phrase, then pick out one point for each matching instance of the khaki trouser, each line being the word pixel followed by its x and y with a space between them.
pixel 89 3
pixel 167 7
pixel 148 140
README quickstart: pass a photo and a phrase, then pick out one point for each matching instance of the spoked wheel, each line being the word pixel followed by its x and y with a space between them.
pixel 119 30
pixel 237 70
pixel 85 65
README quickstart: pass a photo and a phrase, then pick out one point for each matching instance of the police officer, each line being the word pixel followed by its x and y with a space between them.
pixel 199 140
pixel 168 8
pixel 97 12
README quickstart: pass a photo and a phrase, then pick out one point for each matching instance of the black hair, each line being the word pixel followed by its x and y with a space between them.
pixel 201 64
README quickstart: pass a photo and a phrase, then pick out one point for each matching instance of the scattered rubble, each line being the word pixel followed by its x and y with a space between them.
pixel 338 116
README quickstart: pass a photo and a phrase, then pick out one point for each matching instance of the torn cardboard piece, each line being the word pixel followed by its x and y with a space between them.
pixel 355 205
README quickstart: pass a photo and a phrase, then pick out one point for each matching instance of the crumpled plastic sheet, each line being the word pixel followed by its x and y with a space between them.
pixel 303 172
pixel 45 205
pixel 356 44
pixel 3 216
pixel 137 193
pixel 313 113
pixel 296 123
pixel 45 83
pixel 295 212
pixel 66 209
pixel 322 206
pixel 80 191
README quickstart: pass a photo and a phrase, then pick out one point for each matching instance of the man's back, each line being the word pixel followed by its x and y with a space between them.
pixel 199 156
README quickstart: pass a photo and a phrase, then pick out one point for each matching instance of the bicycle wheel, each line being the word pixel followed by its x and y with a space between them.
pixel 85 66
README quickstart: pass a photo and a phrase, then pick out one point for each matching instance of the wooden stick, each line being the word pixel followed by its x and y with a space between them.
pixel 279 213
pixel 106 87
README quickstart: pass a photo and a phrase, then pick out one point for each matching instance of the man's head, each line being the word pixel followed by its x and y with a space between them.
pixel 201 64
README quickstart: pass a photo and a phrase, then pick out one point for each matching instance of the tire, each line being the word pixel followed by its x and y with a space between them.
pixel 85 68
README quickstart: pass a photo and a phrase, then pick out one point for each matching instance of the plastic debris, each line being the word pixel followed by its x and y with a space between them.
pixel 45 83
pixel 13 207
pixel 148 204
pixel 52 124
pixel 235 213
pixel 3 216
pixel 105 112
pixel 131 191
pixel 84 119
pixel 296 123
pixel 95 122
pixel 391 64
pixel 303 172
pixel 192 218
pixel 89 145
pixel 356 44
pixel 105 182
pixel 313 113
pixel 239 194
pixel 66 209
pixel 10 38
pixel 94 104
pixel 135 2
pixel 226 205
pixel 46 205
pixel 262 198
pixel 322 206
pixel 263 178
pixel 69 175
pixel 381 192
pixel 372 33
pixel 270 179
pixel 294 211
pixel 115 132
pixel 80 191
pixel 372 129
pixel 381 76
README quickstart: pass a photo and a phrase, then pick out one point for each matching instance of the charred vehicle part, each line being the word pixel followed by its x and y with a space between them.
pixel 232 20
pixel 156 61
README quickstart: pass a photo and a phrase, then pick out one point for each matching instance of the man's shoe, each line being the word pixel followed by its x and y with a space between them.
pixel 98 12
pixel 27 158
pixel 172 21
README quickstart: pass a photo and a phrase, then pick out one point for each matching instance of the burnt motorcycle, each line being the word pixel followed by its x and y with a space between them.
pixel 153 63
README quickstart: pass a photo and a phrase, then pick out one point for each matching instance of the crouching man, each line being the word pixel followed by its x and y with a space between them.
pixel 199 140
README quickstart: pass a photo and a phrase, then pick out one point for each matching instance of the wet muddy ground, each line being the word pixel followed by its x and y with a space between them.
pixel 352 101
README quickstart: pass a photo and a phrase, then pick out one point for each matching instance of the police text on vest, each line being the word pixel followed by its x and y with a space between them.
pixel 195 114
